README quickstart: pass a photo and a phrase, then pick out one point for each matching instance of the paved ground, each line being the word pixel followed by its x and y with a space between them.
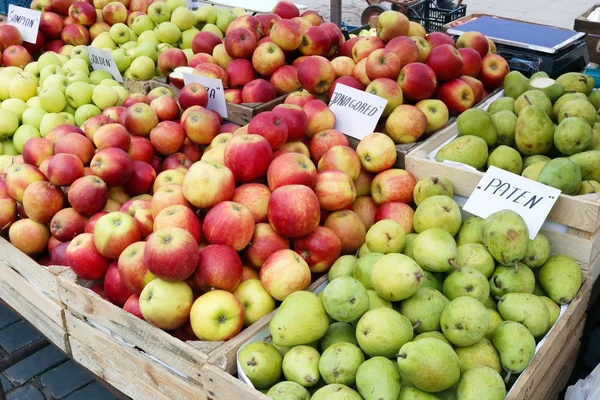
pixel 554 12
pixel 47 374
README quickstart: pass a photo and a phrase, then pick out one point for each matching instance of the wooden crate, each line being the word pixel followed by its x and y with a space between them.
pixel 580 214
pixel 32 291
pixel 237 113
pixel 592 29
pixel 133 356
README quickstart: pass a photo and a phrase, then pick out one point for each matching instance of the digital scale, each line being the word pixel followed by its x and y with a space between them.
pixel 530 47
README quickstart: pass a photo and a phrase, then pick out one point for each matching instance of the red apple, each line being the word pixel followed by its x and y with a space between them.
pixel 406 124
pixel 457 95
pixel 114 12
pixel 179 216
pixel 476 86
pixel 471 62
pixel 167 137
pixel 192 150
pixel 93 124
pixel 16 56
pixel 265 241
pixel 299 98
pixel 393 185
pixel 400 212
pixel 360 72
pixel 335 190
pixel 345 49
pixel 141 180
pixel 64 169
pixel 336 37
pixel 324 140
pixel 37 150
pixel 115 289
pixel 58 255
pixel 446 62
pixel 285 79
pixel 38 46
pixel 140 149
pixel 438 38
pixel 249 22
pixel 112 135
pixel 364 46
pixel 271 127
pixel 405 48
pixel 343 66
pixel 233 96
pixel 219 267
pixel 134 99
pixel 348 81
pixel 98 28
pixel 365 208
pixel 82 12
pixel 170 59
pixel 207 184
pixel 291 169
pixel 341 158
pixel 66 224
pixel 75 34
pixel 133 269
pixel 166 196
pixel 132 306
pixel 84 259
pixel 166 108
pixel 200 125
pixel 222 218
pixel 9 36
pixel 493 70
pixel 383 64
pixel 320 117
pixel 205 42
pixel 255 197
pixel 319 249
pixel 240 43
pixel 171 254
pixel 295 119
pixel 88 195
pixel 177 161
pixel 294 210
pixel 114 232
pixel 41 201
pixel 258 91
pixel 286 34
pixel 376 152
pixel 286 10
pixel 113 165
pixel 316 74
pixel 54 45
pixel 349 229
pixel 240 72
pixel 315 42
pixel 140 119
pixel 474 40
pixel 18 177
pixel 388 89
pixel 51 25
pixel 266 22
pixel 91 224
pixel 284 273
pixel 194 94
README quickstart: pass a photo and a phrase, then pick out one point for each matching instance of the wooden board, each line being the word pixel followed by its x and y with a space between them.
pixel 582 24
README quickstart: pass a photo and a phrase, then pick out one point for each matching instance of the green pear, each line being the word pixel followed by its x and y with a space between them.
pixel 430 364
pixel 382 331
pixel 345 299
pixel 553 311
pixel 491 303
pixel 506 158
pixel 375 301
pixel 511 280
pixel 578 108
pixel 288 391
pixel 363 250
pixel 533 171
pixel 495 321
pixel 424 309
pixel 476 256
pixel 338 332
pixel 588 187
pixel 364 268
pixel 378 379
pixel 437 212
pixel 505 236
pixel 432 334
pixel 469 150
pixel 562 174
pixel 386 236
pixel 528 161
pixel 526 309
pixel 589 164
pixel 396 277
pixel 340 362
pixel 408 245
pixel 549 86
pixel 301 319
pixel 343 266
pixel 505 122
pixel 573 135
pixel 336 392
pixel 576 82
pixel 477 122
pixel 538 251
pixel 594 98
pixel 533 98
pixel 432 186
pixel 515 84
pixel 564 99
pixel 261 362
pixel 534 132
pixel 470 231
pixel 538 290
pixel 481 353
pixel 561 278
pixel 465 321
pixel 301 365
pixel 444 256
pixel 432 281
pixel 502 104
pixel 515 344
pixel 481 383
pixel 467 282
pixel 412 393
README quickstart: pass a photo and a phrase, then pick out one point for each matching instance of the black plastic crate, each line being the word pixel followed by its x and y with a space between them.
pixel 433 18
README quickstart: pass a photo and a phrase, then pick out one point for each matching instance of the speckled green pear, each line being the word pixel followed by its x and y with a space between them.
pixel 589 164
pixel 528 161
pixel 467 282
pixel 536 98
pixel 408 246
pixel 470 231
pixel 345 299
pixel 561 278
pixel 336 392
pixel 515 344
pixel 505 122
pixel 502 104
pixel 534 132
pixel 378 379
pixel 469 150
pixel 495 321
pixel 481 353
pixel 515 84
pixel 564 99
pixel 465 321
pixel 505 236
pixel 375 301
pixel 261 362
pixel 339 363
pixel 578 108
pixel 424 309
pixel 301 365
pixel 288 391
pixel 382 331
pixel 506 279
pixel 438 212
pixel 481 383
pixel 576 82
pixel 588 187
pixel 412 393
pixel 386 236
pixel 338 332
pixel 477 122
pixel 538 251
pixel 562 174
pixel 533 171
pixel 301 319
pixel 364 267
pixel 343 266
pixel 476 256
pixel 526 309
pixel 506 158
pixel 432 186
pixel 432 334
pixel 435 250
pixel 396 277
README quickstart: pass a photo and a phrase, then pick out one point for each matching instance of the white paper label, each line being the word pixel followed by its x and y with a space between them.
pixel 502 190
pixel 214 87
pixel 25 20
pixel 193 4
pixel 356 112
pixel 103 60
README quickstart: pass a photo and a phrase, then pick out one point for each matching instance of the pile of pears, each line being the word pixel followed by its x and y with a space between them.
pixel 543 129
pixel 448 312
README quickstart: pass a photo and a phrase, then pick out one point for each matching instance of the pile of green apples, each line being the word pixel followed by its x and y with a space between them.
pixel 543 129
pixel 52 91
pixel 436 314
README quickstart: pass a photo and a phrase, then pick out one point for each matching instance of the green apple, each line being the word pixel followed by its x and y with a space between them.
pixel 133 37
pixel 168 32
pixel 78 76
pixel 86 112
pixel 148 49
pixel 52 100
pixel 187 37
pixel 5 86
pixel 59 82
pixel 79 93
pixel 224 18
pixel 122 59
pixel 63 59
pixel 175 4
pixel 33 68
pixel 11 71
pixel 164 46
pixel 51 121
pixel 66 50
pixel 159 12
pixel 77 64
pixel 142 68
pixel 98 76
pixel 1 156
pixel 119 33
pixel 132 44
pixel 29 75
pixel 33 116
pixel 49 71
pixel 70 118
pixel 34 102
pixel 81 52
pixel 23 134
pixel 8 148
pixel 206 14
pixel 9 122
pixel 22 87
pixel 183 18
pixel 104 41
pixel 141 24
pixel 105 96
pixel 109 82
pixel 148 36
pixel 123 94
pixel 238 11
pixel 17 106
pixel 48 58
pixel 69 109
pixel 214 29
pixel 189 54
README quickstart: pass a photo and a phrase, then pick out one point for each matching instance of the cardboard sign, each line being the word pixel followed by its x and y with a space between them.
pixel 216 94
pixel 502 190
pixel 104 61
pixel 356 112
pixel 25 20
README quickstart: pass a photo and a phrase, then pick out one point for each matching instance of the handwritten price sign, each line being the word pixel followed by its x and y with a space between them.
pixel 102 60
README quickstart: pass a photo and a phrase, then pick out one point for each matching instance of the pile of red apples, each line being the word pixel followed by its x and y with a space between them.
pixel 200 227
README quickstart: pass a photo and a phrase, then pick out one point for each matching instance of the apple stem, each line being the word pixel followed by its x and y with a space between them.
pixel 454 264
pixel 400 355
pixel 527 100
pixel 516 267
pixel 417 324
pixel 507 377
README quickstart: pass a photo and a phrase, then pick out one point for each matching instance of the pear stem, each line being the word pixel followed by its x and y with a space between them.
pixel 516 267
pixel 454 264
pixel 417 324
pixel 527 100
pixel 498 298
pixel 507 377
pixel 400 355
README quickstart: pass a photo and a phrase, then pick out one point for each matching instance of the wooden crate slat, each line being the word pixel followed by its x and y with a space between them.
pixel 222 386
pixel 126 368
